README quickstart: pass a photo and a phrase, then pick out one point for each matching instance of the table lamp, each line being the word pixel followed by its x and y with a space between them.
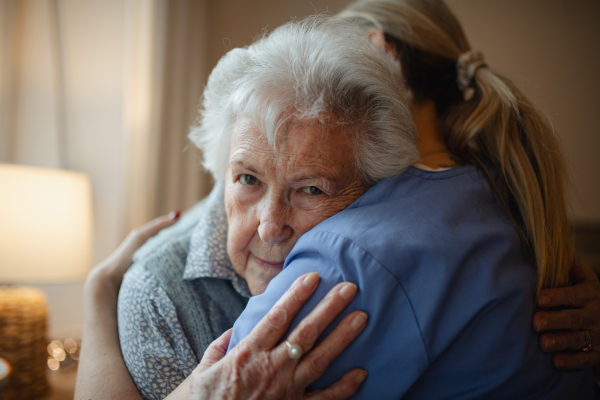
pixel 45 237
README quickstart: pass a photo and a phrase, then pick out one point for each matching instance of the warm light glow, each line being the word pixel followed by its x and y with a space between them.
pixel 75 355
pixel 53 364
pixel 45 225
pixel 54 345
pixel 70 345
pixel 59 354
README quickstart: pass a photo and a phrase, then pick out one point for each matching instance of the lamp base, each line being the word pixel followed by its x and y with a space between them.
pixel 23 314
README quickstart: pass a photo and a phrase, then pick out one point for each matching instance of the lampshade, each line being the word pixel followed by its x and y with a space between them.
pixel 45 225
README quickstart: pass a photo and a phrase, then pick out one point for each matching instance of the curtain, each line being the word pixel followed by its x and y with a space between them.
pixel 109 88
pixel 165 171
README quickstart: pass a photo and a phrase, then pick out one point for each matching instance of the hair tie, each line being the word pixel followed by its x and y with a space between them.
pixel 467 65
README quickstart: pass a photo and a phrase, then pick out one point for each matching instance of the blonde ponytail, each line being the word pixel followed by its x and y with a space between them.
pixel 499 126
pixel 496 127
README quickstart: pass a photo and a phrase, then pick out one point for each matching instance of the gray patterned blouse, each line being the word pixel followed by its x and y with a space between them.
pixel 155 348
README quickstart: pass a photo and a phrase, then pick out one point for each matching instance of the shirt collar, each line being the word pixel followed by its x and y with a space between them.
pixel 207 256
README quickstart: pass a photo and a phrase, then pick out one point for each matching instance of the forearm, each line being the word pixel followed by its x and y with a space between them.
pixel 102 373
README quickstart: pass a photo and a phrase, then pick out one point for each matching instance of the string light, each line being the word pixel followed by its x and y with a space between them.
pixel 58 352
pixel 53 364
pixel 70 345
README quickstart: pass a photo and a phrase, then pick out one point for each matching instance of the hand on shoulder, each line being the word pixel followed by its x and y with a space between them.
pixel 111 270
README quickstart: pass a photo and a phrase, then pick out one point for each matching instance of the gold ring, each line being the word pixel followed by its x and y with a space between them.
pixel 294 350
pixel 587 345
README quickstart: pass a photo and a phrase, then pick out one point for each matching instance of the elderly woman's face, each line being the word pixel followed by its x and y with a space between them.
pixel 275 194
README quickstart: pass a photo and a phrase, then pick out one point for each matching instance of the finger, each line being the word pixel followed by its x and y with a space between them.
pixel 122 258
pixel 577 360
pixel 145 232
pixel 216 351
pixel 311 327
pixel 271 328
pixel 561 319
pixel 313 365
pixel 573 296
pixel 560 341
pixel 342 389
pixel 139 236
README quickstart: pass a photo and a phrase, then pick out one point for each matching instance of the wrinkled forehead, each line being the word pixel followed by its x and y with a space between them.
pixel 322 134
pixel 305 148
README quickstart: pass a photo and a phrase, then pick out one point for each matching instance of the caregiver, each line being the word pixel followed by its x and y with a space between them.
pixel 448 286
pixel 466 114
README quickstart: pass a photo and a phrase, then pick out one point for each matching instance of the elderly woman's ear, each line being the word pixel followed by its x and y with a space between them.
pixel 378 39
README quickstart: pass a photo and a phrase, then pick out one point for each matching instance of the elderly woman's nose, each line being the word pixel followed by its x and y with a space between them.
pixel 273 226
pixel 273 232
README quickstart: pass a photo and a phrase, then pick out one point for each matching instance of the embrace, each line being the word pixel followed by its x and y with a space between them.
pixel 376 154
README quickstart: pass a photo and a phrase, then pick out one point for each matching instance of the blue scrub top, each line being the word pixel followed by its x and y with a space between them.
pixel 447 287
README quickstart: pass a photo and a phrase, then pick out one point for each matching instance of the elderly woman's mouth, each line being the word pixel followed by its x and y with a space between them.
pixel 270 264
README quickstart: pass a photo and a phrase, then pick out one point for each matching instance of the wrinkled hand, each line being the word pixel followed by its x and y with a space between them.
pixel 115 266
pixel 259 367
pixel 583 313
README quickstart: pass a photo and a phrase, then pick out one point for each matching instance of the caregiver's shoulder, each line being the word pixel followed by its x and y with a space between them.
pixel 458 201
pixel 418 228
pixel 448 289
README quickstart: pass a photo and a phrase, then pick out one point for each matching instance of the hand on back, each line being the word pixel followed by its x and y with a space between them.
pixel 576 326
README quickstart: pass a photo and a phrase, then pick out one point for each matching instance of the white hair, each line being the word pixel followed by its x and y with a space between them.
pixel 317 68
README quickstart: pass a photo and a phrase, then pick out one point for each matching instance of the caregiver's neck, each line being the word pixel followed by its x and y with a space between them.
pixel 432 147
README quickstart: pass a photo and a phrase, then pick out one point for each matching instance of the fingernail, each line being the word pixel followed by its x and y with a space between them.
pixel 549 343
pixel 359 321
pixel 361 376
pixel 174 215
pixel 559 363
pixel 348 291
pixel 541 324
pixel 544 301
pixel 311 279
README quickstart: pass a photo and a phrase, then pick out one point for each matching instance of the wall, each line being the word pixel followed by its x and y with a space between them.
pixel 550 49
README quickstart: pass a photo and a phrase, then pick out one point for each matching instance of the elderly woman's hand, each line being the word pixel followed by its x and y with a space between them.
pixel 259 367
pixel 568 329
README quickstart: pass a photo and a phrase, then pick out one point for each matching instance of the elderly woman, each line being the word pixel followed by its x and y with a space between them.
pixel 294 129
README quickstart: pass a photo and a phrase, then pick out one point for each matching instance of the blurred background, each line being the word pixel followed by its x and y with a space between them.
pixel 110 88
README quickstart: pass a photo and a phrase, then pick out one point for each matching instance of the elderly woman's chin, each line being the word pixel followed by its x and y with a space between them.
pixel 258 274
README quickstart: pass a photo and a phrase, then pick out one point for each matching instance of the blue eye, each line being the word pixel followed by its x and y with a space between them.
pixel 312 190
pixel 248 179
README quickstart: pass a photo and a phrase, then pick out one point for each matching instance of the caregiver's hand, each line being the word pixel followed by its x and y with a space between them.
pixel 568 329
pixel 114 267
pixel 101 361
pixel 259 367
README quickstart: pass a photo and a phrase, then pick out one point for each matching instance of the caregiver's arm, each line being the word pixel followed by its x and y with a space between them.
pixel 102 372
pixel 564 329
